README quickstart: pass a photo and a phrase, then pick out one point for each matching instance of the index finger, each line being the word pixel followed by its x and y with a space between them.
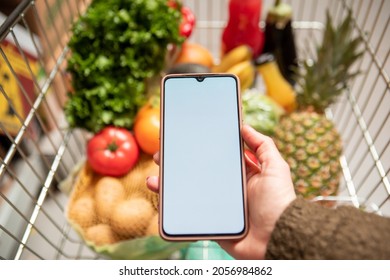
pixel 156 158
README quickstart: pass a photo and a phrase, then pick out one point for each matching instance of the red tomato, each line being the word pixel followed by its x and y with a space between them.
pixel 113 151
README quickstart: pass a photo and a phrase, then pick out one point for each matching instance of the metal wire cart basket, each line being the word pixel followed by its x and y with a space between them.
pixel 38 150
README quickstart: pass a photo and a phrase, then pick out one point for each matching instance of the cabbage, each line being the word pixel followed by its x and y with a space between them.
pixel 260 111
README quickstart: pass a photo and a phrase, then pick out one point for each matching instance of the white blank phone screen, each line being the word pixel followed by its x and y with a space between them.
pixel 202 179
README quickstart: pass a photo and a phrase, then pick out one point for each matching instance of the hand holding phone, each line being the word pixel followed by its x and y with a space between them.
pixel 202 174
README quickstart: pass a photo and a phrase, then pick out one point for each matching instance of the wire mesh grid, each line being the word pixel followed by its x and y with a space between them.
pixel 38 150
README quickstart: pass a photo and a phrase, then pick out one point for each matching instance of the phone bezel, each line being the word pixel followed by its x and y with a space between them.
pixel 194 237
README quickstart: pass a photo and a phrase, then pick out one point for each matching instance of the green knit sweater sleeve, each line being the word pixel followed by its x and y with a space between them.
pixel 309 231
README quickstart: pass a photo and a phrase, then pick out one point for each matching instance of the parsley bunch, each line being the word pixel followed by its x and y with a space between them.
pixel 115 47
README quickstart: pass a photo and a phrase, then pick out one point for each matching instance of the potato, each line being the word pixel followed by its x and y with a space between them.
pixel 82 211
pixel 153 197
pixel 109 192
pixel 131 217
pixel 152 228
pixel 101 234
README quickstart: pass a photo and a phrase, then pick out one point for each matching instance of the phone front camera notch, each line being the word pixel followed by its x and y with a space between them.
pixel 200 78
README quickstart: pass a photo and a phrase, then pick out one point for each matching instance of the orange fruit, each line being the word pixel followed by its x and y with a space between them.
pixel 147 129
pixel 195 53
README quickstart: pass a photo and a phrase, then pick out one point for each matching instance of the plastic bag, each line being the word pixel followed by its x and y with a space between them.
pixel 101 234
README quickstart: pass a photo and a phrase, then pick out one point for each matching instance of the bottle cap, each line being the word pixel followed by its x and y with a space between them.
pixel 264 58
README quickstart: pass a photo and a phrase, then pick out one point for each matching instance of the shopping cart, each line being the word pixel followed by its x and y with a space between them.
pixel 38 150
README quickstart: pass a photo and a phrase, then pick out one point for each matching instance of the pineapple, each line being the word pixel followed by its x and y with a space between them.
pixel 309 141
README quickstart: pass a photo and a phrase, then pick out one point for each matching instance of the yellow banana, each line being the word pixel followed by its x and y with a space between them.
pixel 245 71
pixel 277 87
pixel 235 56
pixel 248 80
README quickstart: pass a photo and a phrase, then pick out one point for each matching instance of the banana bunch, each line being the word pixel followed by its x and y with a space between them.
pixel 239 62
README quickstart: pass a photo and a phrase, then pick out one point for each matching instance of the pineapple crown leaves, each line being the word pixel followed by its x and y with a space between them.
pixel 322 81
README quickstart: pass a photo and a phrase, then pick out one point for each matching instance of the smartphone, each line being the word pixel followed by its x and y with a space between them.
pixel 202 170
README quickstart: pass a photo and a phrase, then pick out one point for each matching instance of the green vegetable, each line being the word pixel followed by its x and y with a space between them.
pixel 115 47
pixel 260 111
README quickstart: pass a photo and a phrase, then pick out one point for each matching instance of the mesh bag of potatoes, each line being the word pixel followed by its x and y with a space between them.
pixel 117 217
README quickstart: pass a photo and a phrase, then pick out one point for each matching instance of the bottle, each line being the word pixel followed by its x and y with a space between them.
pixel 243 26
pixel 277 87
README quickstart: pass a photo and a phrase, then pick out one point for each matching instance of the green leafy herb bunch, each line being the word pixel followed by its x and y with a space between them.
pixel 115 46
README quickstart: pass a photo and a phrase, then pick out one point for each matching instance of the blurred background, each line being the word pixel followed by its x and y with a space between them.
pixel 39 152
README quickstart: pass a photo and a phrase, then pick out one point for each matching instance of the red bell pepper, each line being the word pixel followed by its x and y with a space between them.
pixel 187 23
pixel 243 26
